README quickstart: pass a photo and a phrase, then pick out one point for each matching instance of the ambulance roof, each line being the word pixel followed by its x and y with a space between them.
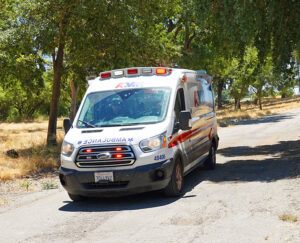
pixel 139 77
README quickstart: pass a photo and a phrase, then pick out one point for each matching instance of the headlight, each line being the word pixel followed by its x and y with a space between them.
pixel 67 148
pixel 154 143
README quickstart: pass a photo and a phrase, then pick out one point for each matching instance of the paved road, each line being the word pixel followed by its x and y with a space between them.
pixel 257 181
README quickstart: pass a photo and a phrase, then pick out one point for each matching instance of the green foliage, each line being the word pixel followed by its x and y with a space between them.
pixel 48 185
pixel 244 73
pixel 22 85
pixel 240 43
pixel 128 33
pixel 271 26
pixel 25 184
pixel 19 102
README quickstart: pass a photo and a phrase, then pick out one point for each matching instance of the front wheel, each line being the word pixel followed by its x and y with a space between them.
pixel 175 185
pixel 210 162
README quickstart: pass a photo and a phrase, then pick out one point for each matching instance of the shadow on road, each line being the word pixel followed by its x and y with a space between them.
pixel 283 162
pixel 284 165
pixel 265 119
pixel 133 202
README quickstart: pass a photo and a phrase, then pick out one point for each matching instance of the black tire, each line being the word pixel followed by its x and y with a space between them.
pixel 175 186
pixel 210 162
pixel 76 198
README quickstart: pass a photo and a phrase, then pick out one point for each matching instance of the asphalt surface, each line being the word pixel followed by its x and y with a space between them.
pixel 252 196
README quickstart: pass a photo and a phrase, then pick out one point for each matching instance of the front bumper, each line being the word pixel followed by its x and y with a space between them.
pixel 126 181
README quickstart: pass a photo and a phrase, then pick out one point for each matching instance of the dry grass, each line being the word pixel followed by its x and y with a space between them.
pixel 250 111
pixel 3 201
pixel 288 218
pixel 29 140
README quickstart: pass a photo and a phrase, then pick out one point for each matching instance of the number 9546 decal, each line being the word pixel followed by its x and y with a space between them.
pixel 160 157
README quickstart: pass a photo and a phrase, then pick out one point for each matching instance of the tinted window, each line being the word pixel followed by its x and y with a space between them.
pixel 179 103
pixel 204 97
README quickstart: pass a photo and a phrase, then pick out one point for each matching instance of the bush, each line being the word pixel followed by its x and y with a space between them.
pixel 4 109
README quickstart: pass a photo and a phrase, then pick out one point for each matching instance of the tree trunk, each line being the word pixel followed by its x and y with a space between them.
pixel 74 94
pixel 238 105
pixel 259 97
pixel 57 69
pixel 187 35
pixel 220 89
pixel 235 103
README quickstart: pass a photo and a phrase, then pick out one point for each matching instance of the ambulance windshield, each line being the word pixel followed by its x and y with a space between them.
pixel 124 107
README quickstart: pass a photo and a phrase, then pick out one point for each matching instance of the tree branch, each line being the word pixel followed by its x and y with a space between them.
pixel 178 29
pixel 59 38
pixel 52 4
pixel 190 40
pixel 171 26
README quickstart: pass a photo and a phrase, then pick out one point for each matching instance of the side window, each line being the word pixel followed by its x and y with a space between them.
pixel 204 98
pixel 179 103
pixel 208 97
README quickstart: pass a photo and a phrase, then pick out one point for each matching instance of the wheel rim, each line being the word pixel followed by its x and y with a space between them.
pixel 178 177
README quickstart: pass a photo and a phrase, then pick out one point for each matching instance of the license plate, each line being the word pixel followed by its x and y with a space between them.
pixel 104 176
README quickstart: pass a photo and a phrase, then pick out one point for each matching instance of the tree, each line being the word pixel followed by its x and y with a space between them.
pixel 272 26
pixel 263 80
pixel 97 34
pixel 21 66
pixel 244 74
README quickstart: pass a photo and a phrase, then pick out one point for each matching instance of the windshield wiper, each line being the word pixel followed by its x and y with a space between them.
pixel 124 124
pixel 86 123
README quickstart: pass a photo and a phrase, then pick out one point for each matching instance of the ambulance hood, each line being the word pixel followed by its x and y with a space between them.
pixel 129 135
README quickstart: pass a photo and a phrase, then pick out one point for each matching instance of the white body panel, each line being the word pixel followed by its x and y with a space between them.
pixel 132 135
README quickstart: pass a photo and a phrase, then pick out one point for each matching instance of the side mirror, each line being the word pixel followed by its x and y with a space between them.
pixel 184 118
pixel 67 124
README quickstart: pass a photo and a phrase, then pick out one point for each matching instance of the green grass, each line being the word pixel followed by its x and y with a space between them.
pixel 25 184
pixel 48 185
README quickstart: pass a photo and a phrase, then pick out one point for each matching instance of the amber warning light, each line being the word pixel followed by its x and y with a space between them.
pixel 161 71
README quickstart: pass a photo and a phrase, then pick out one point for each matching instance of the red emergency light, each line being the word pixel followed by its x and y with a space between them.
pixel 105 75
pixel 132 71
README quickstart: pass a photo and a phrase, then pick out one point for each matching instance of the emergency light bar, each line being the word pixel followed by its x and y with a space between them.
pixel 132 71
pixel 142 71
pixel 105 75
pixel 118 73
pixel 146 70
pixel 161 71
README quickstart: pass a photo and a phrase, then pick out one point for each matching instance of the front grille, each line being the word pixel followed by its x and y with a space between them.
pixel 101 156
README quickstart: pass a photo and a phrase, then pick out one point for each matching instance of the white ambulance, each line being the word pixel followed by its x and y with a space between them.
pixel 139 129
